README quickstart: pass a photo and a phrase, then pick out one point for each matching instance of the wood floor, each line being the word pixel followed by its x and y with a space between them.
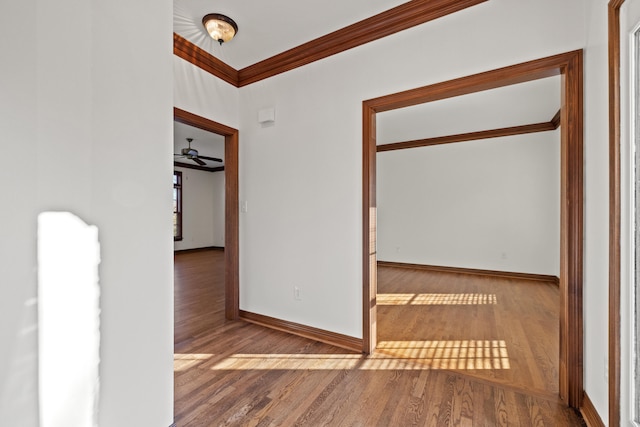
pixel 436 365
pixel 497 329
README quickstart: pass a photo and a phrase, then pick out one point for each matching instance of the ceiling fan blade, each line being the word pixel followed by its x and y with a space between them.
pixel 213 159
pixel 198 161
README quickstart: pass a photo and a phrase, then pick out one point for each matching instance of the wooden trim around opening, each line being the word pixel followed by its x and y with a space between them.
pixel 614 211
pixel 399 18
pixel 475 272
pixel 231 228
pixel 572 232
pixel 328 337
pixel 570 66
pixel 590 414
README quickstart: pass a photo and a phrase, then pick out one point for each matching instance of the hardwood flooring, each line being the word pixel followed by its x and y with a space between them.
pixel 498 329
pixel 241 374
pixel 198 293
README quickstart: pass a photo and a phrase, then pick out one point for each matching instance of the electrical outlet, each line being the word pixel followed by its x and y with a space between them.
pixel 296 293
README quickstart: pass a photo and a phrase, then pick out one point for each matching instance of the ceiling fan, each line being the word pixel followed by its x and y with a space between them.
pixel 192 154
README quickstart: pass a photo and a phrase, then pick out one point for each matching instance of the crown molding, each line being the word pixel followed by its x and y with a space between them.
pixel 555 120
pixel 188 51
pixel 470 136
pixel 399 18
pixel 389 22
pixel 198 167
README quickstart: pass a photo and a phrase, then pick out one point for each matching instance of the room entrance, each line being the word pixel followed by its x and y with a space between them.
pixel 569 67
pixel 231 245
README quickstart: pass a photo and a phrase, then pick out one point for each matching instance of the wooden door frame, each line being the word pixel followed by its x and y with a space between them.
pixel 569 66
pixel 615 256
pixel 231 220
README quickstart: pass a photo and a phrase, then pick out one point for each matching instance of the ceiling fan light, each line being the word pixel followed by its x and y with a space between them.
pixel 221 28
pixel 189 152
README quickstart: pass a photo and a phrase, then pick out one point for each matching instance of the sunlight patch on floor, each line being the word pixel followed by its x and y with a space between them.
pixel 390 355
pixel 436 299
pixel 289 361
pixel 182 362
pixel 440 354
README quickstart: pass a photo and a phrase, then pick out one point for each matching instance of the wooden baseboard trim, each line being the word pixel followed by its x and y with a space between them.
pixel 589 413
pixel 208 248
pixel 338 340
pixel 475 272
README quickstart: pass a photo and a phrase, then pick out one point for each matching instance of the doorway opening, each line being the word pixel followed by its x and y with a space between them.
pixel 231 234
pixel 569 67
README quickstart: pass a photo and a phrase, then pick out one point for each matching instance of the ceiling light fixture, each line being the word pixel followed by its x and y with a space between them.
pixel 221 28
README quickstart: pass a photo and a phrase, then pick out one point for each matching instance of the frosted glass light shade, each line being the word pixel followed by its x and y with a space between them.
pixel 221 28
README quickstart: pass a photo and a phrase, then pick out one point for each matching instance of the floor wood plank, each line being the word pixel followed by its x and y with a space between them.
pixel 489 314
pixel 241 374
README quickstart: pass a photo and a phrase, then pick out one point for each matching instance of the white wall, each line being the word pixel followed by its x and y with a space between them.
pixel 491 204
pixel 199 92
pixel 86 128
pixel 596 272
pixel 202 209
pixel 302 178
pixel 18 353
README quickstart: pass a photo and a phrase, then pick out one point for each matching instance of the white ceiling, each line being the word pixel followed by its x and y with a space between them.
pixel 266 28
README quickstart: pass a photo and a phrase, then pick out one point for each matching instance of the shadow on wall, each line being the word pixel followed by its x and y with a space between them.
pixel 19 391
